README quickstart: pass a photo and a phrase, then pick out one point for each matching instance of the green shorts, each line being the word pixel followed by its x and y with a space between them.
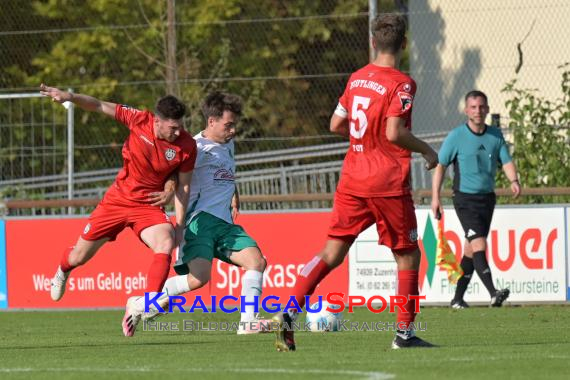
pixel 207 237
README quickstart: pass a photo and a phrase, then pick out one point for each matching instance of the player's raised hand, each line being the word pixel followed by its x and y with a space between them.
pixel 55 94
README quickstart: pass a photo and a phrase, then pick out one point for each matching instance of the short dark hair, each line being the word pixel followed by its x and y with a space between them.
pixel 217 102
pixel 476 94
pixel 389 31
pixel 169 107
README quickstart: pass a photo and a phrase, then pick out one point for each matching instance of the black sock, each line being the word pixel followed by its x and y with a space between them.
pixel 483 271
pixel 467 266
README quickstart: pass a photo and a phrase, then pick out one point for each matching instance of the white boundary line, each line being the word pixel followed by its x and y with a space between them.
pixel 370 375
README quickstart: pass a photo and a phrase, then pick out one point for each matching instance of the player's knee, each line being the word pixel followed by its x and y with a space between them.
pixel 332 258
pixel 478 244
pixel 250 259
pixel 407 258
pixel 164 245
pixel 258 264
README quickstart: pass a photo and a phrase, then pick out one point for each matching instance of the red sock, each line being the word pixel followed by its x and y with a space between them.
pixel 309 278
pixel 64 263
pixel 407 286
pixel 158 272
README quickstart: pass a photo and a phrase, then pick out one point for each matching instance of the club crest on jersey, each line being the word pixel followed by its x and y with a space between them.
pixel 407 87
pixel 406 100
pixel 170 154
pixel 413 235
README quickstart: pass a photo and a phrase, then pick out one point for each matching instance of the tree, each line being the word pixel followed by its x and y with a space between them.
pixel 116 50
pixel 541 138
pixel 288 60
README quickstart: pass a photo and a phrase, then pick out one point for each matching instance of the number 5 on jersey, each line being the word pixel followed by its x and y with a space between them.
pixel 359 105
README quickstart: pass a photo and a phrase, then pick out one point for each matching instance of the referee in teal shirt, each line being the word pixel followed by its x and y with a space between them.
pixel 475 150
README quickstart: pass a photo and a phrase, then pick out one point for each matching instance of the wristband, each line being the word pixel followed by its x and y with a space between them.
pixel 515 180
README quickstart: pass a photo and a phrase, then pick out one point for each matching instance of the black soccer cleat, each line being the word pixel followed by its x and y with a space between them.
pixel 413 342
pixel 284 334
pixel 459 304
pixel 500 297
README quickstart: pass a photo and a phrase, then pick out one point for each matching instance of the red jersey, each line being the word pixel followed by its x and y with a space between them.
pixel 373 166
pixel 148 160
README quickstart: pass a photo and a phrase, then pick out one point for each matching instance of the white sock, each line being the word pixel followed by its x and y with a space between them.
pixel 251 284
pixel 172 287
pixel 176 285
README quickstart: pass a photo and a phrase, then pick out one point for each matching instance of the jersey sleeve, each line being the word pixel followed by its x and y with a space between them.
pixel 402 100
pixel 128 115
pixel 504 156
pixel 342 106
pixel 448 151
pixel 190 160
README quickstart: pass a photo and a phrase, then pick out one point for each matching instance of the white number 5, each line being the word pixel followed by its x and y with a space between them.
pixel 359 104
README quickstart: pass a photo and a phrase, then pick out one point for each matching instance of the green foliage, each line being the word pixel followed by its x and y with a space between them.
pixel 116 50
pixel 541 134
pixel 289 61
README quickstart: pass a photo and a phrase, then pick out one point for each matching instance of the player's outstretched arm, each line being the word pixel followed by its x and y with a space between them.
pixel 397 133
pixel 86 102
pixel 181 203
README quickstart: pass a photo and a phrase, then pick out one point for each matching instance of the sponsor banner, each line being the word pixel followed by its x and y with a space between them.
pixel 3 274
pixel 118 271
pixel 527 254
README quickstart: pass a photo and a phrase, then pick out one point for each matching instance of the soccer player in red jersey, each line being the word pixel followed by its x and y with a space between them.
pixel 157 148
pixel 375 113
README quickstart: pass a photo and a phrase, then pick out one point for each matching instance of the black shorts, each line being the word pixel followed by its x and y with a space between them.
pixel 475 212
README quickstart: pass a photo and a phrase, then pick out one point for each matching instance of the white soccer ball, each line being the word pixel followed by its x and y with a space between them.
pixel 323 321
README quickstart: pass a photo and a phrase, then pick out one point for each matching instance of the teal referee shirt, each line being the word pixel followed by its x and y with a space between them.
pixel 475 158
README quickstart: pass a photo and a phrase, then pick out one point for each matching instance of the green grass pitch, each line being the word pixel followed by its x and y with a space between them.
pixel 531 342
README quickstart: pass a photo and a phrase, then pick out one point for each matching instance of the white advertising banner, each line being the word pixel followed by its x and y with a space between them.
pixel 527 249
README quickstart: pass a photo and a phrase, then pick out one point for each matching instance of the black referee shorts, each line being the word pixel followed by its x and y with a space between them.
pixel 475 212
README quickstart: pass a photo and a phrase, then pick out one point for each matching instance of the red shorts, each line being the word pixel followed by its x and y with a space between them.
pixel 395 219
pixel 108 220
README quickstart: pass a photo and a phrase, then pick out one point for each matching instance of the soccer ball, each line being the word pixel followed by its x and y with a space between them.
pixel 323 321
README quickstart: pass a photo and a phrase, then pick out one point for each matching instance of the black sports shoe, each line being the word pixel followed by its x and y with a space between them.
pixel 284 334
pixel 459 304
pixel 413 342
pixel 500 297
